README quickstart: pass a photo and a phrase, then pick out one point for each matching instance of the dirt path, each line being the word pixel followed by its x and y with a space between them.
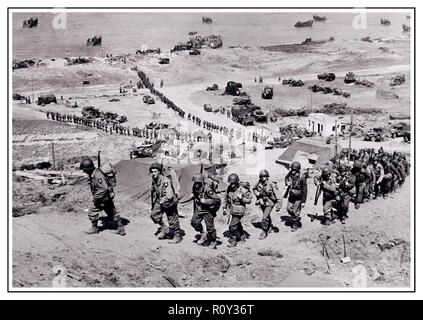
pixel 43 241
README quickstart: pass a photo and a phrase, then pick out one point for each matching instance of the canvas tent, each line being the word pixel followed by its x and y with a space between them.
pixel 133 177
pixel 308 153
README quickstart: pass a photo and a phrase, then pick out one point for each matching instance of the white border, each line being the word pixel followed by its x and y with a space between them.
pixel 214 10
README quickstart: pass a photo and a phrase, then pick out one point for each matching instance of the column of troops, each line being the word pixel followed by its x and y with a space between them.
pixel 103 125
pixel 368 176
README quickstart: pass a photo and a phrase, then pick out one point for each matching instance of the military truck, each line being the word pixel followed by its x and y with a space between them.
pixel 326 76
pixel 194 52
pixel 242 100
pixel 242 115
pixel 349 77
pixel 148 99
pixel 91 112
pixel 398 130
pixel 267 92
pixel 259 116
pixel 142 151
pixel 232 88
pixel 164 60
pixel 46 99
pixel 94 41
pixel 377 135
pixel 214 87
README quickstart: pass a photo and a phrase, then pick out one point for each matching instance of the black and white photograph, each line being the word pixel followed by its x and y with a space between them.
pixel 211 149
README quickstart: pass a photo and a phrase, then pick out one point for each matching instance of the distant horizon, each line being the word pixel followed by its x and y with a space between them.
pixel 125 32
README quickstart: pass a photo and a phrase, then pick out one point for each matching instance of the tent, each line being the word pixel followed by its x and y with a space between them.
pixel 133 177
pixel 308 153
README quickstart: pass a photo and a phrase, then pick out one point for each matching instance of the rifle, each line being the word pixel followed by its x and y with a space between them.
pixel 318 192
pixel 98 159
pixel 287 192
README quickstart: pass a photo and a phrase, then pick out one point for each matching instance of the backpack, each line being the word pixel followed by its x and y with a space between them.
pixel 174 181
pixel 217 202
pixel 109 172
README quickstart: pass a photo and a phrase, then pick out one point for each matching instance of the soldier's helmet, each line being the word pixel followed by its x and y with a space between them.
pixel 295 166
pixel 86 164
pixel 198 177
pixel 343 168
pixel 155 165
pixel 358 164
pixel 326 171
pixel 263 173
pixel 233 178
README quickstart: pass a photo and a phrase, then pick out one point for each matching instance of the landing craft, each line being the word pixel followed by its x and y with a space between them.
pixel 30 23
pixel 94 41
pixel 318 18
pixel 385 22
pixel 207 20
pixel 300 24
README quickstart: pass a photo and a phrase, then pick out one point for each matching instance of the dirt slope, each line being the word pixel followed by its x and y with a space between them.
pixel 53 235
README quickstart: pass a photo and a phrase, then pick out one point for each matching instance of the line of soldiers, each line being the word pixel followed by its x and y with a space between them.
pixel 206 124
pixel 340 183
pixel 170 104
pixel 103 125
pixel 368 177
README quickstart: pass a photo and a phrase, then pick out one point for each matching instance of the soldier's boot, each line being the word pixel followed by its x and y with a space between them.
pixel 213 245
pixel 120 228
pixel 176 238
pixel 163 231
pixel 263 235
pixel 94 229
pixel 294 226
pixel 203 238
pixel 328 221
pixel 357 206
pixel 243 238
pixel 232 243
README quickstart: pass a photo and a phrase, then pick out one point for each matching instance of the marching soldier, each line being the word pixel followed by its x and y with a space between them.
pixel 346 189
pixel 164 201
pixel 268 196
pixel 326 182
pixel 296 192
pixel 102 197
pixel 237 196
pixel 206 204
pixel 379 174
pixel 361 180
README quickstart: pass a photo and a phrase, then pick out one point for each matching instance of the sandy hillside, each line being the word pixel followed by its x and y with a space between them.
pixel 48 229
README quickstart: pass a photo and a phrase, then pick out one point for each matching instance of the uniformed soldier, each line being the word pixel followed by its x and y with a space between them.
pixel 206 204
pixel 379 174
pixel 326 181
pixel 361 179
pixel 390 174
pixel 237 196
pixel 164 201
pixel 297 194
pixel 345 190
pixel 268 196
pixel 102 197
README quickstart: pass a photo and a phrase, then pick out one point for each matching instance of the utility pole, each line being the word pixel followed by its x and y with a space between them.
pixel 336 140
pixel 54 159
pixel 32 84
pixel 349 140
